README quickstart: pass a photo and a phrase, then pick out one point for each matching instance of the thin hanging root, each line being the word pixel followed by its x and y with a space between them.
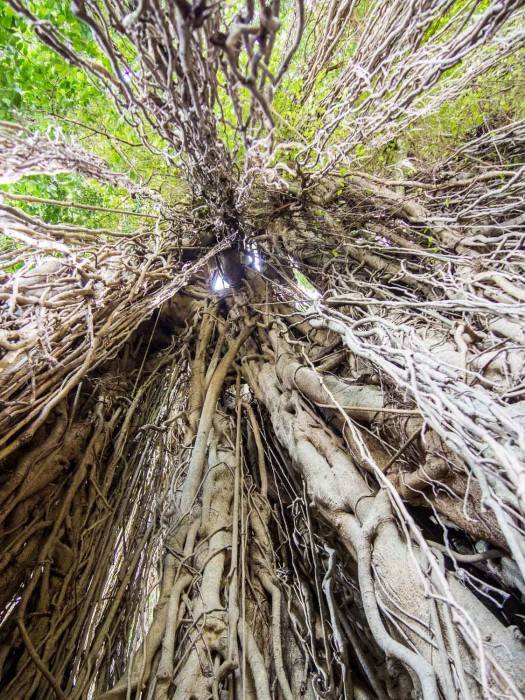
pixel 231 662
pixel 277 649
pixel 342 653
pixel 427 677
pixel 260 450
pixel 259 521
pixel 198 454
pixel 38 661
pixel 255 660
pixel 165 668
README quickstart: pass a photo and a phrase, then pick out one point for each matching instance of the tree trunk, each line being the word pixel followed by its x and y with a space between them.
pixel 267 441
pixel 193 523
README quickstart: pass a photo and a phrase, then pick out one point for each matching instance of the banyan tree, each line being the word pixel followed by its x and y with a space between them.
pixel 262 341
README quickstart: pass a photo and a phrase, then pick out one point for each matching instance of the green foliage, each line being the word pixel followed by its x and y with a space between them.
pixel 304 284
pixel 495 98
pixel 40 89
pixel 445 20
pixel 34 79
pixel 73 188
